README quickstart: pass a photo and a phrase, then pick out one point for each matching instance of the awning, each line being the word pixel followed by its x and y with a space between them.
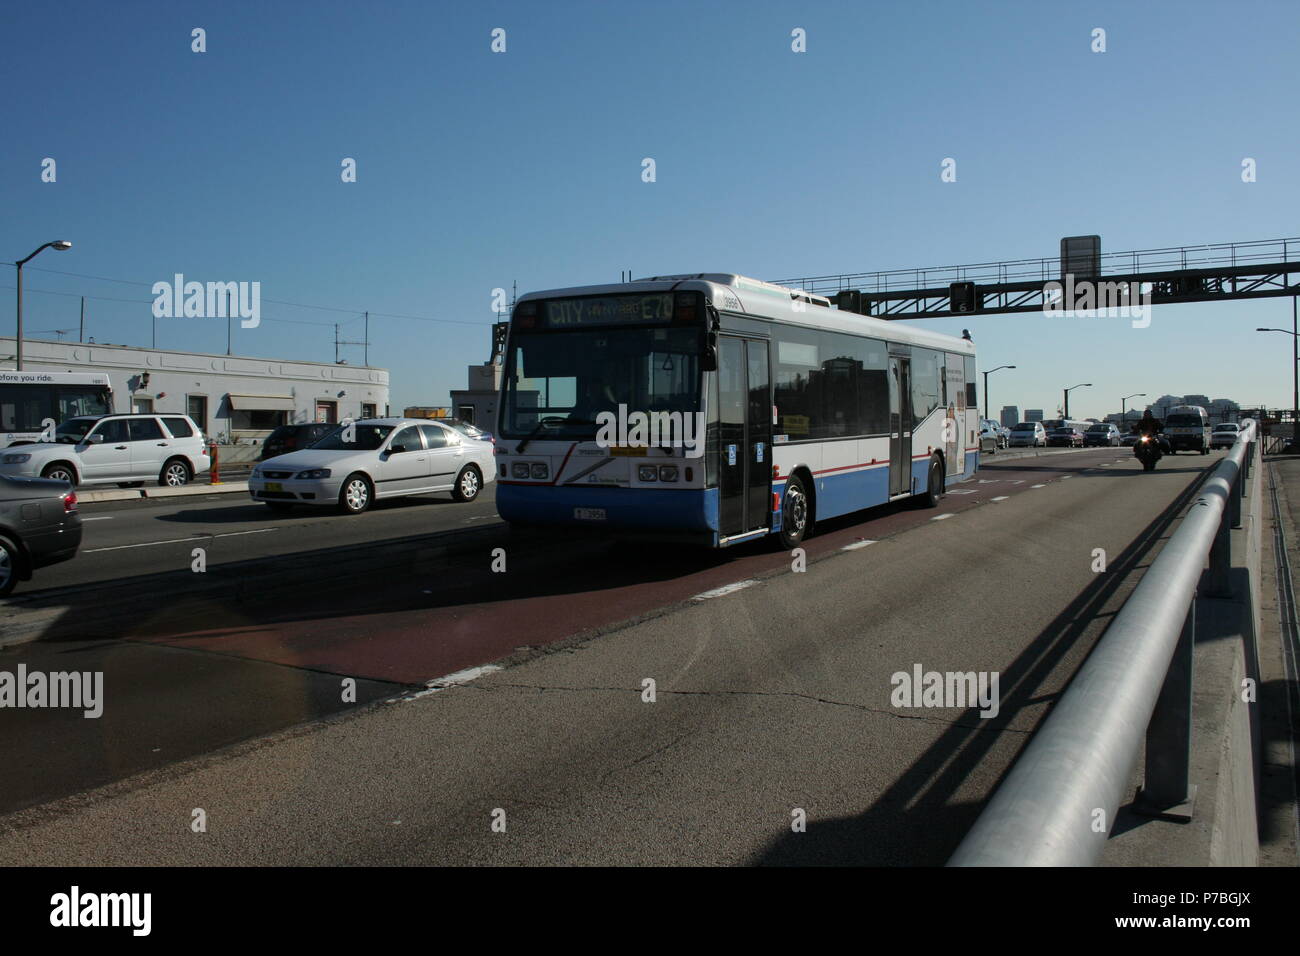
pixel 262 403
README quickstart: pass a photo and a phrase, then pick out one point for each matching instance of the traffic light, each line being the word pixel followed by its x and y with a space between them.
pixel 962 296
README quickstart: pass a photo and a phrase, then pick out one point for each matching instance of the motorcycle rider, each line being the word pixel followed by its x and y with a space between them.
pixel 1152 426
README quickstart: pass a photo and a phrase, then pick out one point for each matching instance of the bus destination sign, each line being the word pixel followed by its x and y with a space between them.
pixel 609 310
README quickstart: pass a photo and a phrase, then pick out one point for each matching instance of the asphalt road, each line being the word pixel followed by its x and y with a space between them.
pixel 773 694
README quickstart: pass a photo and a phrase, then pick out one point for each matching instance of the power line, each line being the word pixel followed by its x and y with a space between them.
pixel 355 313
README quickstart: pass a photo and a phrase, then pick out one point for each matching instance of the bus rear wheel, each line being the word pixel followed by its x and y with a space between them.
pixel 796 514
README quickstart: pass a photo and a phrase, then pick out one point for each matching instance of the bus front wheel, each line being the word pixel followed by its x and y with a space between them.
pixel 795 513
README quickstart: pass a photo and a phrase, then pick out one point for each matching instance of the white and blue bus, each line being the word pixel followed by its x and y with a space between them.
pixel 32 404
pixel 767 410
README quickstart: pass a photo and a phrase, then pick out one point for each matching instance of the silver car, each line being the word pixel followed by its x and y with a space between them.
pixel 375 458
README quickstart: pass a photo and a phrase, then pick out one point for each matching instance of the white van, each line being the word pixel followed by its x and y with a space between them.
pixel 1188 428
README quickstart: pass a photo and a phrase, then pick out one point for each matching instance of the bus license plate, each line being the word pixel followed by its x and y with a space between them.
pixel 589 514
pixel 273 486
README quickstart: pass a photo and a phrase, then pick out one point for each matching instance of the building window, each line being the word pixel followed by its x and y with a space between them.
pixel 368 410
pixel 196 406
pixel 141 405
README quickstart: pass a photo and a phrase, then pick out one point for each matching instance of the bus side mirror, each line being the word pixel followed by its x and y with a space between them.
pixel 709 360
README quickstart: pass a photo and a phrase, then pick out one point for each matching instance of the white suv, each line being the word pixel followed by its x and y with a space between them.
pixel 114 449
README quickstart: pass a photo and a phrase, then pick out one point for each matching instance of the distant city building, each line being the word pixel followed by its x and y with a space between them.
pixel 1219 409
pixel 1033 414
pixel 1010 415
pixel 1202 400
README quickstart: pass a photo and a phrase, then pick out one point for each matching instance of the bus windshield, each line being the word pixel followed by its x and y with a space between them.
pixel 559 381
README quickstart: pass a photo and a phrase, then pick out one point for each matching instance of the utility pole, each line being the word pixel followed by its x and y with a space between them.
pixel 366 360
pixel 229 323
pixel 81 336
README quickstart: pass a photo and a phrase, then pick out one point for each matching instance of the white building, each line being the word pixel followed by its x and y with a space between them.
pixel 233 398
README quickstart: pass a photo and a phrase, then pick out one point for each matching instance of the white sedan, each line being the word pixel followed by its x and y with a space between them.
pixel 375 458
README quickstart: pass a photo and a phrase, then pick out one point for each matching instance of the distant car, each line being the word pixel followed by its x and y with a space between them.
pixel 115 449
pixel 468 430
pixel 375 458
pixel 1106 435
pixel 1028 434
pixel 1225 435
pixel 39 526
pixel 1068 437
pixel 289 438
pixel 1004 434
pixel 990 438
pixel 1129 440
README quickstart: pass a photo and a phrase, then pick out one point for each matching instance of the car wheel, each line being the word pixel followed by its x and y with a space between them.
pixel 933 485
pixel 468 484
pixel 174 474
pixel 60 472
pixel 355 495
pixel 795 513
pixel 8 566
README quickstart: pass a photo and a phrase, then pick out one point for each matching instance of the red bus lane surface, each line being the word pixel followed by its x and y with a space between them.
pixel 412 629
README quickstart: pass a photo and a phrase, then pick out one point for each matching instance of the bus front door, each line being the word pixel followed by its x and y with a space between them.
pixel 744 436
pixel 900 426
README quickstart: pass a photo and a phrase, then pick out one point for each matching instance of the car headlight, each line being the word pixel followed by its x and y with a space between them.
pixel 312 473
pixel 647 473
pixel 667 472
pixel 519 469
pixel 17 458
pixel 540 470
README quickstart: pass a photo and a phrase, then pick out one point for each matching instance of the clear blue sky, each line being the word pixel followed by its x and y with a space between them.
pixel 477 169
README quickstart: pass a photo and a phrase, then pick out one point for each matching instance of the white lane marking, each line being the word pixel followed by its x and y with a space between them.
pixel 98 518
pixel 941 517
pixel 857 544
pixel 1063 477
pixel 1000 498
pixel 961 491
pixel 451 680
pixel 1038 486
pixel 725 589
pixel 193 540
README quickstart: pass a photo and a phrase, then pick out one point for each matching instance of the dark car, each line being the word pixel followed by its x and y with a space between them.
pixel 39 526
pixel 289 438
pixel 1104 434
pixel 1069 437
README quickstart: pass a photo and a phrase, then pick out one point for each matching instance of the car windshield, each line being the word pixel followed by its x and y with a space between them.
pixel 1023 428
pixel 465 429
pixel 364 438
pixel 1225 428
pixel 1184 420
pixel 1062 431
pixel 74 430
pixel 1099 428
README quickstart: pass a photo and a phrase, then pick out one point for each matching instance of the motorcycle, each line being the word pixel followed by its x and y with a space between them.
pixel 1148 450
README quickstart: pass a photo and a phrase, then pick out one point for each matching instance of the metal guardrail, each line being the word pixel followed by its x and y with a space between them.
pixel 1057 805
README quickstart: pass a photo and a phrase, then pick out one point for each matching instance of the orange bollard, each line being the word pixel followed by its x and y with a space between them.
pixel 214 472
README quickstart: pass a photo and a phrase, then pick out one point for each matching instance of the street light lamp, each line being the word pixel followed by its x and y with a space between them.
pixel 1067 395
pixel 986 387
pixel 1123 406
pixel 1295 372
pixel 59 244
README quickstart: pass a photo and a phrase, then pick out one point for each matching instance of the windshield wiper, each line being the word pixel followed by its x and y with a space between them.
pixel 548 422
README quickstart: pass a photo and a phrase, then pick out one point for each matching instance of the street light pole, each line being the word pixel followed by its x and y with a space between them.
pixel 1123 406
pixel 986 388
pixel 1067 395
pixel 59 244
pixel 1295 373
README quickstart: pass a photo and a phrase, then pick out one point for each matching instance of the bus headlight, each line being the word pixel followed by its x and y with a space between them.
pixel 667 472
pixel 519 469
pixel 647 473
pixel 18 458
pixel 539 470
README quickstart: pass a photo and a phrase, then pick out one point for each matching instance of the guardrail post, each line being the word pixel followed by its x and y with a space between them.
pixel 1166 788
